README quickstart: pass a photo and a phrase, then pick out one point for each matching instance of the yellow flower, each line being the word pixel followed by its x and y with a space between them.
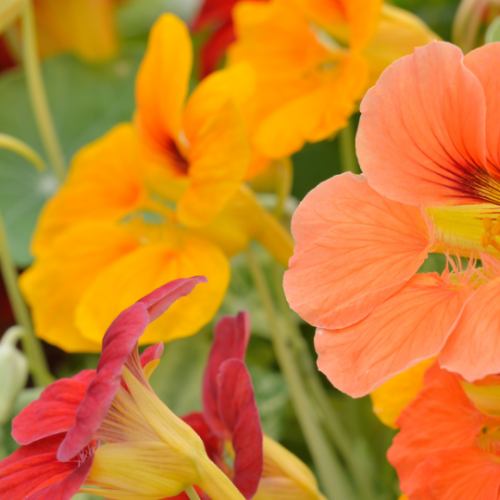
pixel 314 60
pixel 83 27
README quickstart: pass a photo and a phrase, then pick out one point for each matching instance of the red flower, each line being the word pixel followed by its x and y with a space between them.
pixel 216 15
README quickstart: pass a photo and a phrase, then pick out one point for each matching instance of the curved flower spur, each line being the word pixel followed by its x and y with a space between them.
pixel 105 432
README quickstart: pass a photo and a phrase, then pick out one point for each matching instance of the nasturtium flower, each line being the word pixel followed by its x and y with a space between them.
pixel 125 220
pixel 427 144
pixel 448 446
pixel 230 428
pixel 105 431
pixel 83 27
pixel 314 60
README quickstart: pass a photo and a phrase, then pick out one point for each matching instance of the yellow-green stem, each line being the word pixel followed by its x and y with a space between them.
pixel 191 493
pixel 37 94
pixel 327 413
pixel 347 147
pixel 31 345
pixel 331 474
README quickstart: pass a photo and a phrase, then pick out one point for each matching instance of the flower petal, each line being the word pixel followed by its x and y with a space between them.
pixel 475 337
pixel 354 249
pixel 408 327
pixel 421 137
pixel 93 176
pixel 240 416
pixel 440 417
pixel 142 271
pixel 52 414
pixel 163 82
pixel 55 284
pixel 463 474
pixel 231 336
pixel 481 62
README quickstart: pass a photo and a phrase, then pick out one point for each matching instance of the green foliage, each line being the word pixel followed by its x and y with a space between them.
pixel 86 101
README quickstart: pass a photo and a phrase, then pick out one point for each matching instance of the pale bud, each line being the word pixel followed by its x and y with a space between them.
pixel 13 371
pixel 10 10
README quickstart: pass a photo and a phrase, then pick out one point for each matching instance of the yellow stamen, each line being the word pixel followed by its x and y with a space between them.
pixel 487 224
pixel 485 240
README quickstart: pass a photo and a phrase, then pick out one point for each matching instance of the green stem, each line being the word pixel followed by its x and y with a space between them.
pixel 31 345
pixel 37 94
pixel 329 469
pixel 191 493
pixel 326 411
pixel 347 147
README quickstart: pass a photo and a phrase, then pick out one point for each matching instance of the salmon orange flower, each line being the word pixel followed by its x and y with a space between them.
pixel 448 446
pixel 427 147
pixel 313 62
pixel 105 432
pixel 83 27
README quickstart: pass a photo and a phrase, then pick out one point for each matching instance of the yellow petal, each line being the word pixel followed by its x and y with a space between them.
pixel 390 399
pixel 163 82
pixel 144 270
pixel 104 183
pixel 398 33
pixel 218 160
pixel 84 27
pixel 55 283
pixel 285 477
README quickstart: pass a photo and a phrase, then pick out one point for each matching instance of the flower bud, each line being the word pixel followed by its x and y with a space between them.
pixel 13 371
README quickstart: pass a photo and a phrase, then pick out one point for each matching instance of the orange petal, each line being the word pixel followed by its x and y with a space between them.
pixel 408 327
pixel 391 398
pixel 104 183
pixel 162 84
pixel 463 474
pixel 144 270
pixel 218 160
pixel 55 283
pixel 354 249
pixel 421 137
pixel 473 349
pixel 440 417
pixel 482 62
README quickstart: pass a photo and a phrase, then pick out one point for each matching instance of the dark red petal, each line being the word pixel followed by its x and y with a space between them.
pixel 162 298
pixel 214 446
pixel 240 416
pixel 68 487
pixel 215 47
pixel 231 338
pixel 53 413
pixel 213 12
pixel 152 353
pixel 118 344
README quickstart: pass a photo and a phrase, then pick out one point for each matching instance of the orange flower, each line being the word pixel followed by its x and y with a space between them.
pixel 448 447
pixel 83 27
pixel 360 240
pixel 313 63
pixel 150 203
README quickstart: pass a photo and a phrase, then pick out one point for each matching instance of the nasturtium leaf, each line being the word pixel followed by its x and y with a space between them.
pixel 86 101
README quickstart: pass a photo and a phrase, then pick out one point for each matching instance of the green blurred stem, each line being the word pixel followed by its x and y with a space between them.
pixel 330 472
pixel 38 97
pixel 328 415
pixel 31 345
pixel 347 147
pixel 191 493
